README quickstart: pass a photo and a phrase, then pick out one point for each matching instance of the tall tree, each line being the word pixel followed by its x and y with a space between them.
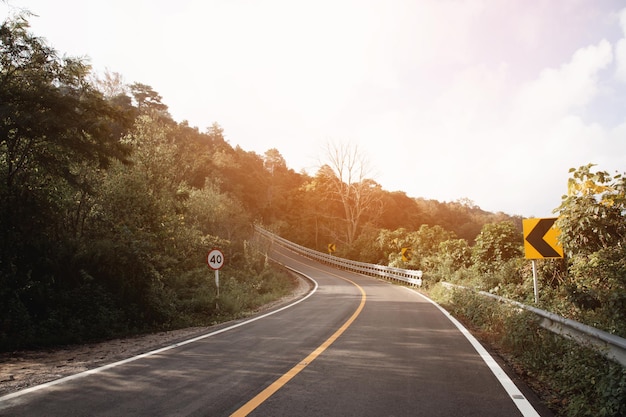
pixel 591 215
pixel 274 161
pixel 283 192
pixel 346 175
pixel 56 133
pixel 54 125
pixel 593 232
pixel 49 113
pixel 111 84
pixel 149 101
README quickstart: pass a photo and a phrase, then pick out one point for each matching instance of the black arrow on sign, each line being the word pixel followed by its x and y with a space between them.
pixel 535 238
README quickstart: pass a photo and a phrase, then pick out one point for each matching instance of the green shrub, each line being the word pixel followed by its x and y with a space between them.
pixel 572 380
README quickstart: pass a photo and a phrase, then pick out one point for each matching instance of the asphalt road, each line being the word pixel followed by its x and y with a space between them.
pixel 355 346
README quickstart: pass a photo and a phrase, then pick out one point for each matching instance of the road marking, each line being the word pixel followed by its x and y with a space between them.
pixel 523 405
pixel 260 398
pixel 154 352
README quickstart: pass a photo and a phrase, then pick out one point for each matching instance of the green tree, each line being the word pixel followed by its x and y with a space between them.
pixel 284 200
pixel 148 100
pixel 496 244
pixel 276 166
pixel 217 214
pixel 274 161
pixel 591 215
pixel 593 233
pixel 424 244
pixel 389 244
pixel 322 212
pixel 454 254
pixel 57 132
pixel 54 126
pixel 50 116
pixel 111 84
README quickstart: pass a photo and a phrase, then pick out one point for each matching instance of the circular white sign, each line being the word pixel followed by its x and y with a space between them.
pixel 215 259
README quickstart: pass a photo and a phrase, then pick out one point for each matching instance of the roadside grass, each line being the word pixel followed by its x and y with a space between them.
pixel 572 380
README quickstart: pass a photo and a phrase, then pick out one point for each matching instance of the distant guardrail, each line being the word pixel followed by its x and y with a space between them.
pixel 407 276
pixel 609 345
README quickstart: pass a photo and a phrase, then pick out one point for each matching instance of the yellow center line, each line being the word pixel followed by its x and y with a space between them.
pixel 260 398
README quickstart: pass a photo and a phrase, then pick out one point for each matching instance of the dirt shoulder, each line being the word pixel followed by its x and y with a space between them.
pixel 24 369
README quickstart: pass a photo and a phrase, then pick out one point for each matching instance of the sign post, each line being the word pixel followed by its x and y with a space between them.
pixel 541 241
pixel 535 286
pixel 215 260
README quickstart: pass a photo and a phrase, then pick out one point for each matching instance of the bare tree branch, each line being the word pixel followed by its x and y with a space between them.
pixel 347 173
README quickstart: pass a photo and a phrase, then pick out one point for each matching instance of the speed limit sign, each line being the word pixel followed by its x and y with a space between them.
pixel 215 259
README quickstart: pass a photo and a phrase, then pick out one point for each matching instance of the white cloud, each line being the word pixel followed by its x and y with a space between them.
pixel 510 149
pixel 559 91
pixel 620 50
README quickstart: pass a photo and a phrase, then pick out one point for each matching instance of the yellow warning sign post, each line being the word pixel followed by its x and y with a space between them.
pixel 541 241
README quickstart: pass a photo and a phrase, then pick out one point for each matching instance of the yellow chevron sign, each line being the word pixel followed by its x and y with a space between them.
pixel 331 247
pixel 541 239
pixel 406 254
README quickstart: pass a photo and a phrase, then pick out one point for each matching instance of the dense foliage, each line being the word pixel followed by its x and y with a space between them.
pixel 108 207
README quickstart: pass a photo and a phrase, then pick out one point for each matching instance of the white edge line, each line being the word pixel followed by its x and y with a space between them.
pixel 524 406
pixel 154 352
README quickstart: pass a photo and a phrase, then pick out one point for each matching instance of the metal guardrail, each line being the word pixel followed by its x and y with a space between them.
pixel 609 345
pixel 408 276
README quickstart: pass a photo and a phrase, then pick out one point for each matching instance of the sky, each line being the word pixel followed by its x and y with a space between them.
pixel 487 100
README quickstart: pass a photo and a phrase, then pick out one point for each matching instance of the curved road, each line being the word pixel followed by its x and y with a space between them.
pixel 354 346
